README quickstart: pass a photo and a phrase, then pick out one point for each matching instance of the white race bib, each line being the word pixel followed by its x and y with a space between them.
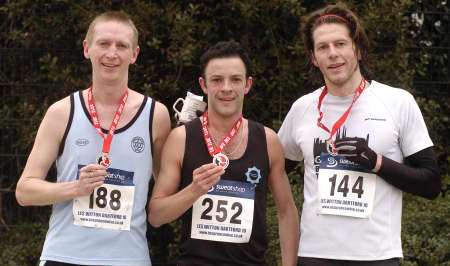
pixel 225 213
pixel 110 205
pixel 345 188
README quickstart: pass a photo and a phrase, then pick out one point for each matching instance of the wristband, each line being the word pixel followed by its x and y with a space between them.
pixel 377 164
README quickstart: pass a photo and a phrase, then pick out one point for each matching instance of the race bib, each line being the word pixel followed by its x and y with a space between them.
pixel 110 205
pixel 345 188
pixel 225 213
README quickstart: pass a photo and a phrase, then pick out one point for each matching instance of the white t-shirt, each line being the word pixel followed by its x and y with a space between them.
pixel 390 120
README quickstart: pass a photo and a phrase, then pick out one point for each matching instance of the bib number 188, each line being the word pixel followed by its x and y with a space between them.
pixel 100 199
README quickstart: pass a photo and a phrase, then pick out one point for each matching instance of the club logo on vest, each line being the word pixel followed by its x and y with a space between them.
pixel 137 144
pixel 253 175
pixel 81 142
pixel 331 162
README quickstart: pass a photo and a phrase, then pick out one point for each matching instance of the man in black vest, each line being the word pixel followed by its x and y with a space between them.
pixel 216 172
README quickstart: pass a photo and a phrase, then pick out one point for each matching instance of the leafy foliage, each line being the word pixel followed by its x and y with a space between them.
pixel 22 245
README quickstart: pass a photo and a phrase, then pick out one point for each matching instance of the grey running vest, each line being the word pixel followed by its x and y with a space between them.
pixel 131 153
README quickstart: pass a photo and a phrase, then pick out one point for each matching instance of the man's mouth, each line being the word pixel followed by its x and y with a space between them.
pixel 334 66
pixel 109 65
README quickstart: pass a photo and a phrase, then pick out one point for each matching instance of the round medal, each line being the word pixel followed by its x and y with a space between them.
pixel 331 148
pixel 221 159
pixel 104 160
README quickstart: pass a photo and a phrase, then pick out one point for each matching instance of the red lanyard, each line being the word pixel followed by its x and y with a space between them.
pixel 107 138
pixel 344 116
pixel 209 143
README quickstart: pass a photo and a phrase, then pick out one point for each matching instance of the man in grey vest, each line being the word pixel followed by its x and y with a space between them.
pixel 106 140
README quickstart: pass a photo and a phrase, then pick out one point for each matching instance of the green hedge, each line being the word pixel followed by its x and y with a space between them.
pixel 42 61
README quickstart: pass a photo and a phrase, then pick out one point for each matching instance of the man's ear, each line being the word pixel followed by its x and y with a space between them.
pixel 248 85
pixel 86 49
pixel 135 54
pixel 313 59
pixel 202 83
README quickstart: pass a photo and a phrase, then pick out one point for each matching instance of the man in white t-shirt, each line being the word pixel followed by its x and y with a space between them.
pixel 362 143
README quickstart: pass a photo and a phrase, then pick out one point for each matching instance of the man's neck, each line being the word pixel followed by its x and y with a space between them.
pixel 108 94
pixel 220 124
pixel 345 89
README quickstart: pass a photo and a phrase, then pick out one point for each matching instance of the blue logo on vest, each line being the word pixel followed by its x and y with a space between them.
pixel 137 144
pixel 253 175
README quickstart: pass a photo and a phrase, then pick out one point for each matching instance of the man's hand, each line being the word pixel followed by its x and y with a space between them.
pixel 356 150
pixel 91 176
pixel 206 176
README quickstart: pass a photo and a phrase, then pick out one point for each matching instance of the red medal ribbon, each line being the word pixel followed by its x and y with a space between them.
pixel 107 138
pixel 344 116
pixel 208 140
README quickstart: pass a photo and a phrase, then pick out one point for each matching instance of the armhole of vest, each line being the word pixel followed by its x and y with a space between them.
pixel 69 124
pixel 150 125
pixel 188 127
pixel 260 127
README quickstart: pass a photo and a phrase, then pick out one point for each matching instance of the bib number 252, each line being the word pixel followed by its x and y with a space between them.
pixel 221 212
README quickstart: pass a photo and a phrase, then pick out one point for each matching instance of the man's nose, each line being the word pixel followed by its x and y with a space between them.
pixel 332 51
pixel 112 51
pixel 227 85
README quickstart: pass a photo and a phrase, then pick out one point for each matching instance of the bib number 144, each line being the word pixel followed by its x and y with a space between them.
pixel 343 187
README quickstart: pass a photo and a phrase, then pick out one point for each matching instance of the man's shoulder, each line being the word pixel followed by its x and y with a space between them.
pixel 307 99
pixel 391 97
pixel 304 104
pixel 387 90
pixel 61 106
pixel 160 109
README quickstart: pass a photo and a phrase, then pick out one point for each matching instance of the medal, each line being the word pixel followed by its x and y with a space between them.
pixel 330 143
pixel 331 148
pixel 104 160
pixel 107 138
pixel 219 158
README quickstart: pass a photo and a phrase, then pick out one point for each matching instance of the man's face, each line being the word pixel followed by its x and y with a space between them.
pixel 111 51
pixel 335 54
pixel 225 83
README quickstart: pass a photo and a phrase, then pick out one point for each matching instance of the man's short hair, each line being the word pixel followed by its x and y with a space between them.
pixel 339 14
pixel 225 49
pixel 117 16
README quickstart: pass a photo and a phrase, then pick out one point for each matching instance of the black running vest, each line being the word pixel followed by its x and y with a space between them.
pixel 206 252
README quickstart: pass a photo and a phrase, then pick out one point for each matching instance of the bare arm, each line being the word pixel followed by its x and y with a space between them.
pixel 167 203
pixel 160 131
pixel 31 188
pixel 288 223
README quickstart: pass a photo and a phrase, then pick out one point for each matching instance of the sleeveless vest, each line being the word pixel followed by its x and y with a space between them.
pixel 250 172
pixel 131 166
